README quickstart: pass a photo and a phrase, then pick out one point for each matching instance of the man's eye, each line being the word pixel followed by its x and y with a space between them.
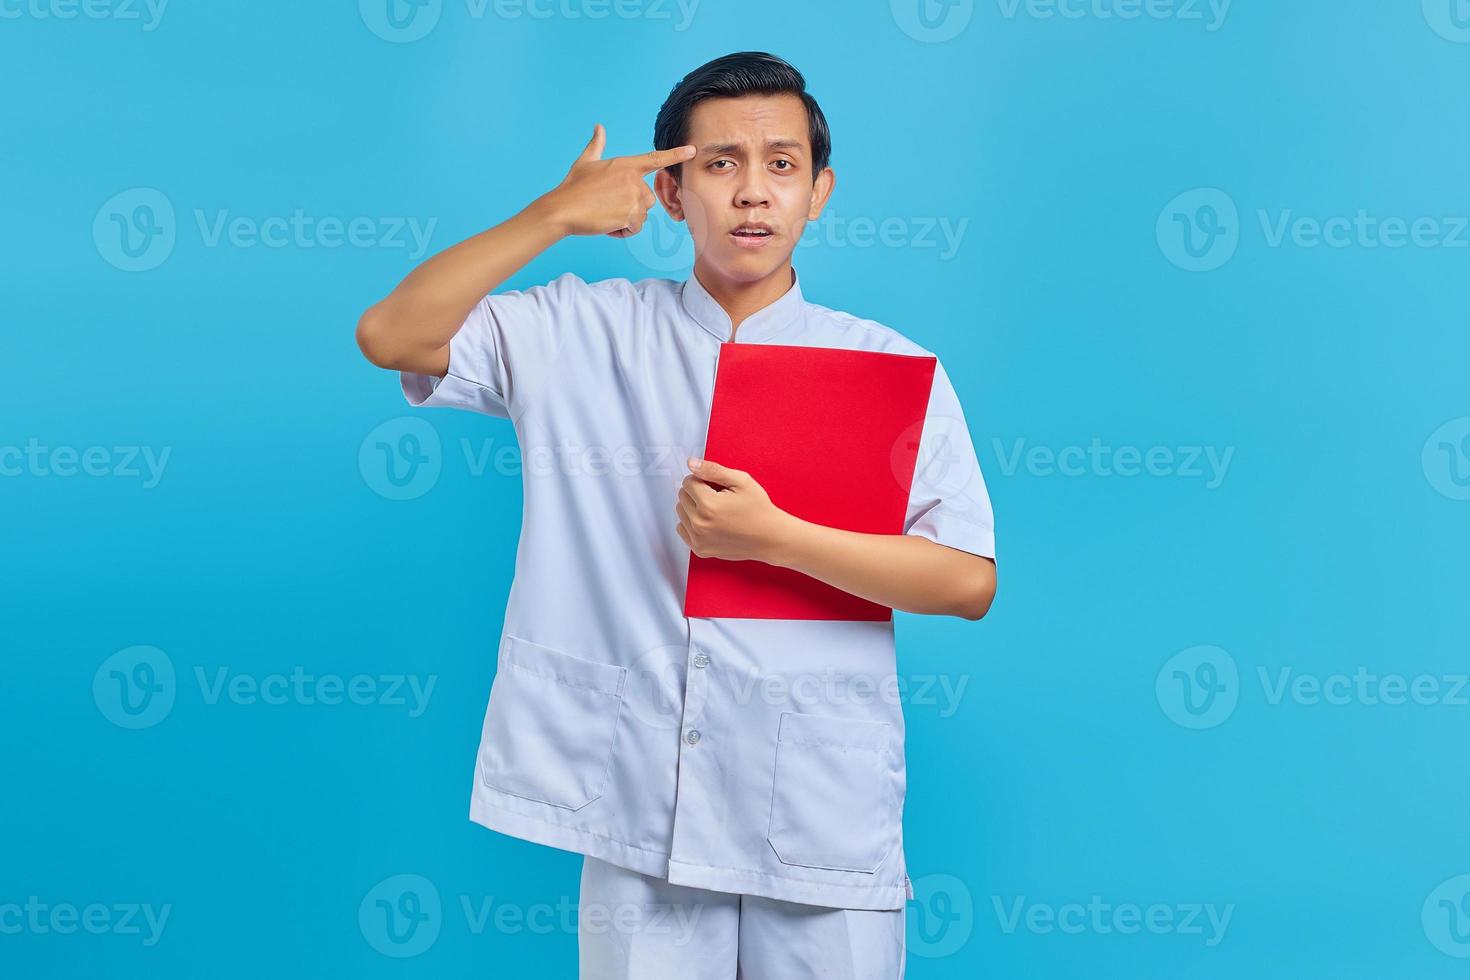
pixel 718 162
pixel 788 163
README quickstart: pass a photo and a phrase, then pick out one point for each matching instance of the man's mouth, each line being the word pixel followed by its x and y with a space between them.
pixel 752 234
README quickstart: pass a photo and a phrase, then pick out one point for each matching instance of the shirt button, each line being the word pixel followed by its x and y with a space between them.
pixel 701 660
pixel 692 736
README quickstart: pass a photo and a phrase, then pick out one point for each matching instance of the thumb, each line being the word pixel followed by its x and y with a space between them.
pixel 724 475
pixel 593 150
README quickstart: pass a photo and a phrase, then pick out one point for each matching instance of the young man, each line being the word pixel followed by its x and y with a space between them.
pixel 736 785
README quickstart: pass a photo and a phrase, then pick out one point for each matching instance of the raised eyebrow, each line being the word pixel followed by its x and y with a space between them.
pixel 772 144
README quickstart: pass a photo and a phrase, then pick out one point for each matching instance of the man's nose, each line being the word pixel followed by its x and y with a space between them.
pixel 752 193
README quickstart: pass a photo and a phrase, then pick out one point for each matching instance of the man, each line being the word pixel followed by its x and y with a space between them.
pixel 694 762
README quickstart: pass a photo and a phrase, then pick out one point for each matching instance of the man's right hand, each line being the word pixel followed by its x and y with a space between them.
pixel 410 328
pixel 609 197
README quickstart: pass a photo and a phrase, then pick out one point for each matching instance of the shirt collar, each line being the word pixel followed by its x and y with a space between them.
pixel 760 325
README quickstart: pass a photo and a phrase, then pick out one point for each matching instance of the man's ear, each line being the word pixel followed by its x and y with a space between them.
pixel 667 189
pixel 821 191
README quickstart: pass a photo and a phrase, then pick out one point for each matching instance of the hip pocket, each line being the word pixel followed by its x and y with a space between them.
pixel 550 725
pixel 832 802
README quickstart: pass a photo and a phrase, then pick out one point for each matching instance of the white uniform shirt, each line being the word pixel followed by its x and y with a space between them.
pixel 755 756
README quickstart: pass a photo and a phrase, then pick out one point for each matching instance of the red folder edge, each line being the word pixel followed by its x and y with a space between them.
pixel 717 588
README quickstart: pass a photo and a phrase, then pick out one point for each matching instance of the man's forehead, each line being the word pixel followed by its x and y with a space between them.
pixel 771 121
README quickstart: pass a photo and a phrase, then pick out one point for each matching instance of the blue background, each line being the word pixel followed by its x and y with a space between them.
pixel 1077 763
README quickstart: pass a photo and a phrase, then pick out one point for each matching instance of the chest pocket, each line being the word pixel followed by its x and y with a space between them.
pixel 833 804
pixel 550 725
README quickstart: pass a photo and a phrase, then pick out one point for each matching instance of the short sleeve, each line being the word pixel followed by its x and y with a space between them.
pixel 504 351
pixel 948 502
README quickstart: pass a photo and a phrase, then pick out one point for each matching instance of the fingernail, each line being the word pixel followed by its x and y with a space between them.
pixel 695 462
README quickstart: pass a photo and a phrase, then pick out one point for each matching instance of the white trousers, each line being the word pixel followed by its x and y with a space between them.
pixel 633 926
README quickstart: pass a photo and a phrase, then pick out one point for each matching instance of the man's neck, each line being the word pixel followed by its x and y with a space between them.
pixel 741 300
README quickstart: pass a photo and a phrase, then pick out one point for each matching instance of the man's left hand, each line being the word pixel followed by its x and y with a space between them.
pixel 736 522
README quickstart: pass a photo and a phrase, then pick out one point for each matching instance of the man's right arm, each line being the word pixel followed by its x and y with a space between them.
pixel 410 329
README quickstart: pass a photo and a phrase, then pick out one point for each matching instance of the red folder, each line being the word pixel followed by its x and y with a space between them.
pixel 833 436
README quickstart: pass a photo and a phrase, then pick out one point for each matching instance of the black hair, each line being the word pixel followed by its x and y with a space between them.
pixel 731 76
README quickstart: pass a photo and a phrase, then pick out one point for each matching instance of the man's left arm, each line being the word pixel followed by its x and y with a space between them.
pixel 902 571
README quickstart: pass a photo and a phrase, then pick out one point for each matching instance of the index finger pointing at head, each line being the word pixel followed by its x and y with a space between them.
pixel 658 159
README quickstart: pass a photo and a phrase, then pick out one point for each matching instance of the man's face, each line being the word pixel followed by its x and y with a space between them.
pixel 753 168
